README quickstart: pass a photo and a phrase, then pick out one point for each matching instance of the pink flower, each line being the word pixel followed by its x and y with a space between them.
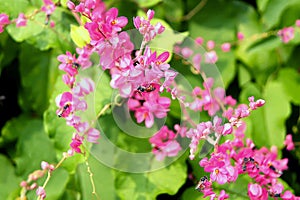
pixel 164 144
pixel 256 192
pixel 288 195
pixel 219 175
pixel 211 57
pixel 67 63
pixel 76 143
pixel 92 135
pixel 255 104
pixel 4 20
pixel 113 22
pixel 210 44
pixel 145 28
pixel 41 192
pixel 48 7
pixel 199 40
pixel 240 36
pixel 65 103
pixel 286 34
pixel 223 195
pixel 289 142
pixel 21 20
pixel 186 52
pixel 84 87
pixel 197 61
pixel 70 5
pixel 226 47
pixel 297 22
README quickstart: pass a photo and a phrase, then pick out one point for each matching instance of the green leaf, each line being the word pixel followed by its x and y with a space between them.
pixel 268 122
pixel 9 182
pixel 259 56
pixel 57 184
pixel 34 72
pixel 80 35
pixel 12 129
pixel 13 8
pixel 221 27
pixel 32 147
pixel 290 80
pixel 273 11
pixel 146 3
pixel 149 185
pixel 103 177
pixel 262 4
pixel 33 28
pixel 277 110
pixel 243 75
pixel 8 50
pixel 57 37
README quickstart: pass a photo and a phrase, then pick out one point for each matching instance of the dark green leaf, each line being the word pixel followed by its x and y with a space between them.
pixel 273 11
pixel 34 72
pixel 9 182
pixel 33 147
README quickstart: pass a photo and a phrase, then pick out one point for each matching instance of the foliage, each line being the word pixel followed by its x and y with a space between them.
pixel 260 65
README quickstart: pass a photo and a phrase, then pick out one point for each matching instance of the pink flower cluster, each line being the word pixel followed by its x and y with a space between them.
pixel 69 103
pixel 261 165
pixel 205 99
pixel 164 144
pixel 48 7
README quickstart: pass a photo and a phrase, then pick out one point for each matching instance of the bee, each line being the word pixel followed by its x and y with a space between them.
pixel 249 160
pixel 148 88
pixel 274 169
pixel 61 112
pixel 272 194
pixel 201 184
pixel 47 19
pixel 75 65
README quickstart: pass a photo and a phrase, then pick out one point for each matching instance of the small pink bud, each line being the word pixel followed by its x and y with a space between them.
pixel 41 192
pixel 199 40
pixel 298 22
pixel 71 5
pixel 44 165
pixel 23 184
pixel 226 47
pixel 210 45
pixel 150 14
pixel 240 36
pixel 21 20
pixel 33 186
pixel 186 52
pixel 52 24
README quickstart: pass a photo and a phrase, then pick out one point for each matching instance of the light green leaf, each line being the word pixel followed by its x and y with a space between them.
pixel 80 35
pixel 149 185
pixel 33 28
pixel 277 110
pixel 243 75
pixel 273 11
pixel 9 182
pixel 147 3
pixel 268 122
pixel 13 8
pixel 290 80
pixel 103 178
pixel 57 184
